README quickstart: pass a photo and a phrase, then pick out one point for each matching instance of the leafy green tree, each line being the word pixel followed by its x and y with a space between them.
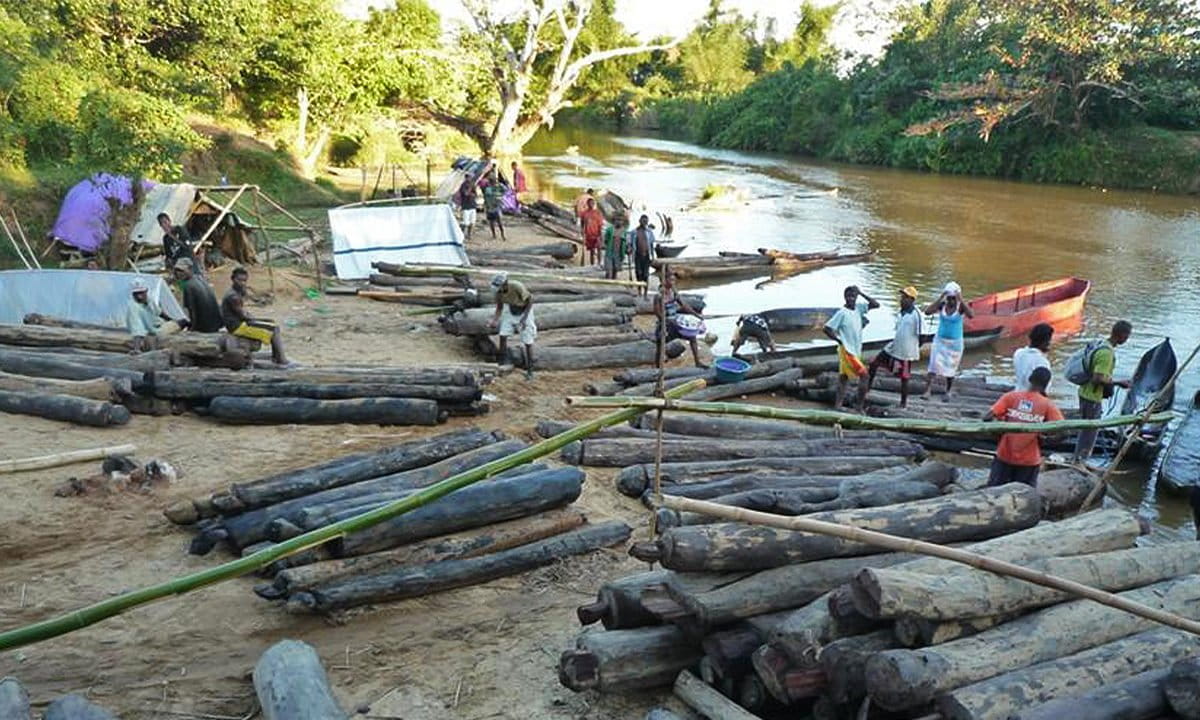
pixel 131 132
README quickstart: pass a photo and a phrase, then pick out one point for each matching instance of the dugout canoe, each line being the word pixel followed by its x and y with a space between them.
pixel 1179 468
pixel 810 318
pixel 1017 310
pixel 1155 369
pixel 971 341
pixel 741 264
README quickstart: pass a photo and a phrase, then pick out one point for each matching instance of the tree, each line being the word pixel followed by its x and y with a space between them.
pixel 531 61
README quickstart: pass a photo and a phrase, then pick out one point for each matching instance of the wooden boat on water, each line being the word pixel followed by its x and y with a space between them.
pixel 1016 311
pixel 765 262
pixel 971 341
pixel 785 319
pixel 1179 468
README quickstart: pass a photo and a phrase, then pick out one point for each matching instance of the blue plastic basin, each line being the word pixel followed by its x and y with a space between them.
pixel 731 369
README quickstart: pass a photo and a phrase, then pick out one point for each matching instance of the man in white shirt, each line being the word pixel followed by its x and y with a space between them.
pixel 1027 359
pixel 897 356
pixel 845 328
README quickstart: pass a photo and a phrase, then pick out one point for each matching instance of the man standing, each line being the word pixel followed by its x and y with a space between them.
pixel 1092 394
pixel 581 204
pixel 519 183
pixel 144 318
pixel 592 222
pixel 493 195
pixel 514 316
pixel 1019 455
pixel 643 252
pixel 467 205
pixel 845 328
pixel 1032 357
pixel 898 356
pixel 239 323
pixel 199 300
pixel 614 245
pixel 177 243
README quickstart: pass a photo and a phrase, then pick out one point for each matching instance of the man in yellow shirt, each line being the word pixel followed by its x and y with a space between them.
pixel 1092 394
pixel 514 316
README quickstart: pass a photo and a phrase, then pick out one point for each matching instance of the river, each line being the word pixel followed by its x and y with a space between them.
pixel 1140 250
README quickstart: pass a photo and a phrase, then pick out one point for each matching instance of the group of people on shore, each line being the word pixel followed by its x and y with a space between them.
pixel 613 243
pixel 495 189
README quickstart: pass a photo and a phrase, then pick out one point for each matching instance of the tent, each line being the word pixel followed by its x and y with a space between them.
pixel 92 296
pixel 394 231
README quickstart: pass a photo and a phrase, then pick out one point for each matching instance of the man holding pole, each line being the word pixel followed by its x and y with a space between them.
pixel 1019 455
pixel 845 328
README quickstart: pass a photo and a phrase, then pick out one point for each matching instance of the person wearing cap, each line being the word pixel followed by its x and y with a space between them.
pixel 199 300
pixel 239 323
pixel 845 328
pixel 144 318
pixel 947 350
pixel 898 355
pixel 514 316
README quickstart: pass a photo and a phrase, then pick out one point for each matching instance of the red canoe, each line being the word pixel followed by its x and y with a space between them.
pixel 1016 311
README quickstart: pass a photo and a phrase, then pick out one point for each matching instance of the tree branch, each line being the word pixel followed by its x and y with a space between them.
pixel 473 129
pixel 590 59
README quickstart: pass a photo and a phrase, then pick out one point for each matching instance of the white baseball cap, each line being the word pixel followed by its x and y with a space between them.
pixel 499 279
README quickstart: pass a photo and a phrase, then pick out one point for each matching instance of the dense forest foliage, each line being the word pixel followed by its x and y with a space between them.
pixel 1101 92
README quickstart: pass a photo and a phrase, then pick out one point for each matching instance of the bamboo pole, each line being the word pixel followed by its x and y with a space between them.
pixel 83 617
pixel 11 239
pixel 898 544
pixel 1134 431
pixel 434 270
pixel 660 349
pixel 220 216
pixel 24 239
pixel 849 420
pixel 63 458
pixel 267 238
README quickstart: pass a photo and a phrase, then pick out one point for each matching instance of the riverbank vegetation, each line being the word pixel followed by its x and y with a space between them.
pixel 1098 92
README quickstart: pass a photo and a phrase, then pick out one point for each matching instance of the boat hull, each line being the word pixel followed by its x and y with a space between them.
pixel 785 319
pixel 1179 467
pixel 1016 311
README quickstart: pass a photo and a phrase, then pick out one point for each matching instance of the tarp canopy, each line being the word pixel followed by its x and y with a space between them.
pixel 427 234
pixel 83 219
pixel 92 296
pixel 174 200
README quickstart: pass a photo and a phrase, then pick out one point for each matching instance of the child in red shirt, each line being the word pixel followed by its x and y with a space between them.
pixel 1019 455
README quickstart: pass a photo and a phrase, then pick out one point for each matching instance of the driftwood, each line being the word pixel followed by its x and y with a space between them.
pixel 374 411
pixel 634 479
pixel 1140 697
pixel 65 408
pixel 320 376
pixel 618 604
pixel 624 452
pixel 951 518
pixel 624 660
pixel 457 546
pixel 561 357
pixel 1006 695
pixel 907 678
pixel 252 526
pixel 806 629
pixel 448 574
pixel 14 701
pixel 291 684
pixel 481 504
pixel 103 389
pixel 891 592
pixel 76 707
pixel 708 702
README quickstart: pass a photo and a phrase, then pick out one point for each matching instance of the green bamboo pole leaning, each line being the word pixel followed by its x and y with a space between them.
pixel 849 420
pixel 83 617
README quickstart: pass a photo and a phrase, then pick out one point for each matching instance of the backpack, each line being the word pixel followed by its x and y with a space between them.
pixel 1079 365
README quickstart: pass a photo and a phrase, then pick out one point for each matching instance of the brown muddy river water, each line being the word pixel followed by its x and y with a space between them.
pixel 1141 251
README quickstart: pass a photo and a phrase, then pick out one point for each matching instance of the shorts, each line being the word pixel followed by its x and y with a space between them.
pixel 849 366
pixel 641 267
pixel 900 368
pixel 748 330
pixel 1003 473
pixel 592 242
pixel 509 323
pixel 260 330
pixel 493 215
pixel 468 216
pixel 613 262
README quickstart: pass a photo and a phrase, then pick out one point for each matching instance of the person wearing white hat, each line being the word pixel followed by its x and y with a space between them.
pixel 947 350
pixel 143 316
pixel 514 316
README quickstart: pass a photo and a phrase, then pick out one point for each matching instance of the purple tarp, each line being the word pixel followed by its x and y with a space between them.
pixel 83 219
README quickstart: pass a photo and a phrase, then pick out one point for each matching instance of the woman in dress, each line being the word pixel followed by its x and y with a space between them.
pixel 947 350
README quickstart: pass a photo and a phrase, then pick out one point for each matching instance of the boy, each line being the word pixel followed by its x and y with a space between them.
pixel 898 356
pixel 1019 455
pixel 845 328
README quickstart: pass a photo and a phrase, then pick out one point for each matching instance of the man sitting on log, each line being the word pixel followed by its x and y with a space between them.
pixel 199 300
pixel 1019 455
pixel 239 324
pixel 144 318
pixel 514 316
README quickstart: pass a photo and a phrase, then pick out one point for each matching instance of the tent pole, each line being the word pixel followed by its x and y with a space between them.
pixel 267 238
pixel 21 232
pixel 220 216
pixel 16 247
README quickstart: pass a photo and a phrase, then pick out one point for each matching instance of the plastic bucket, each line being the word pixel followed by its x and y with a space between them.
pixel 731 369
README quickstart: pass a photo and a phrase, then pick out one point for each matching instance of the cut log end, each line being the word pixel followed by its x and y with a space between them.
pixel 579 670
pixel 650 552
pixel 183 512
pixel 592 612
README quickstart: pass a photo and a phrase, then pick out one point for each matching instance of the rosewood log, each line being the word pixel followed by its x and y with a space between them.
pixel 375 411
pixel 1140 697
pixel 14 701
pixel 902 679
pixel 562 357
pixel 1003 696
pixel 291 684
pixel 951 518
pixel 618 603
pixel 622 452
pixel 625 660
pixel 65 408
pixel 1182 688
pixel 916 632
pixel 548 315
pixel 481 504
pixel 635 479
pixel 763 384
pixel 103 389
pixel 705 700
pixel 45 365
pixel 892 592
pixel 204 391
pixel 844 662
pixel 320 376
pixel 409 582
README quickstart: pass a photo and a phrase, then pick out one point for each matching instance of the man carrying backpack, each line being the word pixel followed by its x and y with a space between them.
pixel 1099 364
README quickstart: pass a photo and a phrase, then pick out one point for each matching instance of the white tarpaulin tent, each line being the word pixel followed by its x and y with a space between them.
pixel 174 200
pixel 92 296
pixel 363 234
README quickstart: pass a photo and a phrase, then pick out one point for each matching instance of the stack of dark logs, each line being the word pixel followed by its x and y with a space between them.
pixel 783 623
pixel 512 522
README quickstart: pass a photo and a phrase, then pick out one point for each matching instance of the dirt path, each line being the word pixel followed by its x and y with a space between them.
pixel 484 652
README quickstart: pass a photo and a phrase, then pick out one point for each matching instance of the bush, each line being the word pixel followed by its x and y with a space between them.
pixel 130 132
